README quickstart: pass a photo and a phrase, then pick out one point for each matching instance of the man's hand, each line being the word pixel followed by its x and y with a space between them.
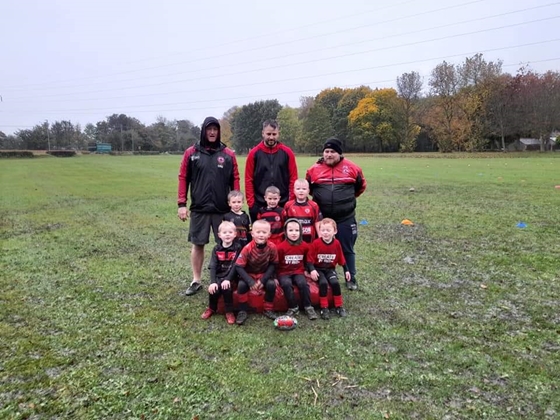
pixel 348 276
pixel 183 213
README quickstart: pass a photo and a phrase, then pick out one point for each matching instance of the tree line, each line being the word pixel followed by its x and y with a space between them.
pixel 471 106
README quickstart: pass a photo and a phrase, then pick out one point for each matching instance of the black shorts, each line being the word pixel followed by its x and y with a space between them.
pixel 199 227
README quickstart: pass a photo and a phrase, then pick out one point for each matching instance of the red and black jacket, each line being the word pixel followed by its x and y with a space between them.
pixel 222 262
pixel 307 213
pixel 211 172
pixel 274 217
pixel 266 166
pixel 326 256
pixel 335 188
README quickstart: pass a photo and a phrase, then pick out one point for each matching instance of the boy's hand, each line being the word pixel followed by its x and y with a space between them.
pixel 213 288
pixel 257 286
pixel 226 284
pixel 314 275
pixel 348 276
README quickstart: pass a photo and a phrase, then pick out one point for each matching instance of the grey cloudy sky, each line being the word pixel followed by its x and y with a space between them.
pixel 85 60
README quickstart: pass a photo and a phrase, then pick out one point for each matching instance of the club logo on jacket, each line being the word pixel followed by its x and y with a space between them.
pixel 221 161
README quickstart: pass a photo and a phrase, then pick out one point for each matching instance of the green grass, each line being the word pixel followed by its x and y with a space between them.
pixel 458 316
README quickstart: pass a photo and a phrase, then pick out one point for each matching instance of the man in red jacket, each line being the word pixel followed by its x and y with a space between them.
pixel 210 169
pixel 270 163
pixel 335 183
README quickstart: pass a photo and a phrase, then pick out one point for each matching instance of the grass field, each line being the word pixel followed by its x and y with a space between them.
pixel 458 316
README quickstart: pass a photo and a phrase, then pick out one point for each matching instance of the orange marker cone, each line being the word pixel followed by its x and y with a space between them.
pixel 407 222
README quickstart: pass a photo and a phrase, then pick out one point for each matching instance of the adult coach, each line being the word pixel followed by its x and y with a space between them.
pixel 210 169
pixel 269 163
pixel 335 182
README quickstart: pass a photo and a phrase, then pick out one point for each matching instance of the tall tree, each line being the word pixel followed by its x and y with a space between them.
pixel 375 122
pixel 247 123
pixel 225 125
pixel 316 128
pixel 409 87
pixel 444 84
pixel 290 125
pixel 329 99
pixel 539 102
pixel 346 104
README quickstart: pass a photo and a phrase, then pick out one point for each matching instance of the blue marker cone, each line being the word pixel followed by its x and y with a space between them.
pixel 521 225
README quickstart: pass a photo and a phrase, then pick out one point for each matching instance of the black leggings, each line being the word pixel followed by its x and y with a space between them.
pixel 327 277
pixel 228 298
pixel 287 283
pixel 269 289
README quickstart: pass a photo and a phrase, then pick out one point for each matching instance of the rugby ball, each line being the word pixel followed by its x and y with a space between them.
pixel 285 323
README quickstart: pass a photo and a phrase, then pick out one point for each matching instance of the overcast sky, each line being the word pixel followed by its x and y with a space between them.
pixel 84 60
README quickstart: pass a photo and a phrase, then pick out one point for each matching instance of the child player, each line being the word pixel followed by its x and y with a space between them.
pixel 256 266
pixel 222 270
pixel 238 217
pixel 304 209
pixel 326 254
pixel 292 262
pixel 272 213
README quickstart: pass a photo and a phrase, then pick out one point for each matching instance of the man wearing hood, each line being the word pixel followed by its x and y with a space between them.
pixel 210 169
pixel 270 163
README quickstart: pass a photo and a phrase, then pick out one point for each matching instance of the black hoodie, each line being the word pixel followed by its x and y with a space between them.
pixel 211 172
pixel 204 140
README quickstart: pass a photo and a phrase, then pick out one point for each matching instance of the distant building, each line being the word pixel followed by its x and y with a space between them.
pixel 100 147
pixel 524 144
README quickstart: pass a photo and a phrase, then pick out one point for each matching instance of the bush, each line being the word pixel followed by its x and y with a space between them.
pixel 62 153
pixel 16 154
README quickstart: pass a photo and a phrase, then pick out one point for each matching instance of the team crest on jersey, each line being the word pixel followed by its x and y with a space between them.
pixel 307 211
pixel 221 161
pixel 277 218
pixel 345 169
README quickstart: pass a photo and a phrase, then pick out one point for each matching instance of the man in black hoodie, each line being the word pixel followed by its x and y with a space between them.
pixel 210 169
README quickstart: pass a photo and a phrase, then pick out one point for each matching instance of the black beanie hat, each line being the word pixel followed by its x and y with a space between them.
pixel 333 143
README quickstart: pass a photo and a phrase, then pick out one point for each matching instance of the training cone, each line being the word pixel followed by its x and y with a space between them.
pixel 521 225
pixel 363 222
pixel 407 222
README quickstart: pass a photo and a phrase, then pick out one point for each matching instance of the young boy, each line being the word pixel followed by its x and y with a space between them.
pixel 256 266
pixel 238 217
pixel 292 262
pixel 326 253
pixel 305 210
pixel 273 214
pixel 222 270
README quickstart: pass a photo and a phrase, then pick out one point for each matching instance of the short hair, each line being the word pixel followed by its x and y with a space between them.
pixel 226 224
pixel 271 190
pixel 327 221
pixel 272 123
pixel 260 222
pixel 234 193
pixel 302 181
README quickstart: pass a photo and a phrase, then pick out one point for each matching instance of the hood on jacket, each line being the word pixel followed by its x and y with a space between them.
pixel 298 241
pixel 204 140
